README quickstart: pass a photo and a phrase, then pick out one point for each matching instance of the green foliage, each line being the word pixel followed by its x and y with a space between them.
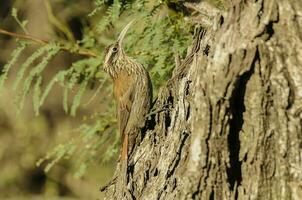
pixel 51 50
pixel 27 64
pixel 166 39
pixel 58 78
pixel 154 40
pixel 15 55
pixel 85 147
pixel 112 15
pixel 158 40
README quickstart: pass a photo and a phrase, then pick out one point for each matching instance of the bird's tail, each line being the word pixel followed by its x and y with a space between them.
pixel 123 178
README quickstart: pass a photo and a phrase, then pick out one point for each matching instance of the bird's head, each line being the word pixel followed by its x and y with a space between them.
pixel 115 52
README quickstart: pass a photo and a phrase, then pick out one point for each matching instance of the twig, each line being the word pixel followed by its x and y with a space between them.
pixel 23 36
pixel 82 52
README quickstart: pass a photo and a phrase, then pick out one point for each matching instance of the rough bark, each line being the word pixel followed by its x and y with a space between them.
pixel 228 123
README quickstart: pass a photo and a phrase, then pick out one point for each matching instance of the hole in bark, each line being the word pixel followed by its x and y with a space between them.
pixel 174 184
pixel 130 169
pixel 149 125
pixel 170 99
pixel 221 20
pixel 187 87
pixel 156 172
pixel 167 121
pixel 270 29
pixel 212 195
pixel 147 177
pixel 206 50
pixel 237 109
pixel 188 112
pixel 165 187
pixel 167 118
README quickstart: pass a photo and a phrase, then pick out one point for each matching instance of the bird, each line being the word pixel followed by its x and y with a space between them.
pixel 132 89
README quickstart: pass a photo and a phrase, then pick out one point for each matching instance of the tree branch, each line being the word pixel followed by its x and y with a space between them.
pixel 82 52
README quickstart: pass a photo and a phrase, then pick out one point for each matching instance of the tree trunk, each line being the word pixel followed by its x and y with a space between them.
pixel 228 123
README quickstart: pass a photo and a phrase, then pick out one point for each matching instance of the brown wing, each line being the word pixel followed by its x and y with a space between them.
pixel 124 110
pixel 124 94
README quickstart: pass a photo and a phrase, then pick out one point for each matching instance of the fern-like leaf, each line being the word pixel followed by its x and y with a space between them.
pixel 52 50
pixel 77 99
pixel 111 17
pixel 27 64
pixel 59 77
pixel 15 55
pixel 37 95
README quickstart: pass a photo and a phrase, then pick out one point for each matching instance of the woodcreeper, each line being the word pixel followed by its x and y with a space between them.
pixel 132 93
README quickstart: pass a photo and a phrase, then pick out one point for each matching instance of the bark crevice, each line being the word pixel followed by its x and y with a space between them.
pixel 237 108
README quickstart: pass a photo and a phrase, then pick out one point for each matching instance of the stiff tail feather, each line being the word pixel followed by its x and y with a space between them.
pixel 123 179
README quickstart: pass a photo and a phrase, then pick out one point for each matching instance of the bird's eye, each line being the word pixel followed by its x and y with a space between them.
pixel 114 49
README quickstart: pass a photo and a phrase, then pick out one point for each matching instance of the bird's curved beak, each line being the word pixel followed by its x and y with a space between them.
pixel 123 33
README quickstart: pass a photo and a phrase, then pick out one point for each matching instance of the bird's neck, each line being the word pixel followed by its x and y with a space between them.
pixel 126 65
